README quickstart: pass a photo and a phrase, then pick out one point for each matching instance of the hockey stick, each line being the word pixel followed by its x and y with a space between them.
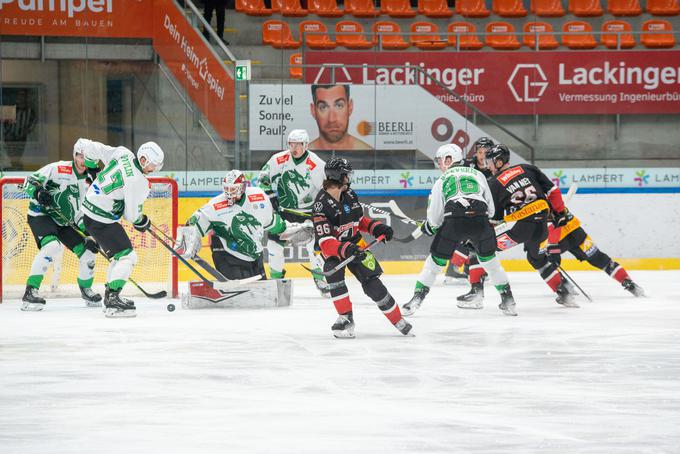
pixel 346 261
pixel 303 214
pixel 153 231
pixel 157 295
pixel 405 219
pixel 559 267
pixel 417 233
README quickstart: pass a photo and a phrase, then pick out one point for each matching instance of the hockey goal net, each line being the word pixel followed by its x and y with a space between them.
pixel 156 268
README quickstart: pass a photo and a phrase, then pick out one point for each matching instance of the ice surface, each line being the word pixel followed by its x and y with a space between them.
pixel 604 378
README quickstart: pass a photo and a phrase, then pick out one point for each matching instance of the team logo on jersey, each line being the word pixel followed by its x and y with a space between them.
pixel 256 197
pixel 65 169
pixel 318 207
pixel 221 205
pixel 504 242
pixel 346 208
pixel 369 261
pixel 310 164
pixel 282 159
pixel 509 174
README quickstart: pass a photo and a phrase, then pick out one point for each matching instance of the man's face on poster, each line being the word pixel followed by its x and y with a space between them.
pixel 331 112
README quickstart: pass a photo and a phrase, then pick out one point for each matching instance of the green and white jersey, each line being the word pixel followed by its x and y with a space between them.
pixel 120 188
pixel 66 187
pixel 295 182
pixel 240 227
pixel 457 183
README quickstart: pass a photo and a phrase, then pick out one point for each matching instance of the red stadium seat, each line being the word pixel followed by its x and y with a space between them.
pixel 316 35
pixel 277 34
pixel 547 8
pixel 502 36
pixel 389 35
pixel 325 8
pixel 544 32
pixel 350 34
pixel 430 41
pixel 397 8
pixel 295 68
pixel 663 7
pixel 624 7
pixel 509 8
pixel 619 35
pixel 361 8
pixel 652 36
pixel 434 8
pixel 578 35
pixel 472 8
pixel 462 35
pixel 585 8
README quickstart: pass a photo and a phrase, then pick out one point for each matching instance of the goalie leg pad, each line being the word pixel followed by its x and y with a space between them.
pixel 261 294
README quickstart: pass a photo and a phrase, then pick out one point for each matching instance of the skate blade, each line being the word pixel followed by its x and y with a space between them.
pixel 569 304
pixel 343 335
pixel 32 307
pixel 115 313
pixel 93 303
pixel 510 312
pixel 475 306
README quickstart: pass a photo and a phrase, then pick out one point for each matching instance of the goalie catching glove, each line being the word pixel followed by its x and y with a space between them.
pixel 298 232
pixel 188 242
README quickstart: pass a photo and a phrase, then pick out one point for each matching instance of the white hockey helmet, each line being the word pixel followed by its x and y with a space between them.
pixel 234 184
pixel 152 153
pixel 450 150
pixel 299 136
pixel 79 147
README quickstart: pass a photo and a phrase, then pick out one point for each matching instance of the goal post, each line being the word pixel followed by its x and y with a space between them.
pixel 156 268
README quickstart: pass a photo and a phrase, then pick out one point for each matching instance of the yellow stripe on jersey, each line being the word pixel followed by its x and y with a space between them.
pixel 529 210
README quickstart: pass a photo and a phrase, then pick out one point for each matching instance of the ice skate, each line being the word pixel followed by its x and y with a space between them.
pixel 91 298
pixel 474 299
pixel 633 288
pixel 508 305
pixel 343 328
pixel 404 327
pixel 32 302
pixel 117 307
pixel 565 298
pixel 412 306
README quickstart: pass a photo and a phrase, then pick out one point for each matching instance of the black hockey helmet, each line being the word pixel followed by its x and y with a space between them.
pixel 483 142
pixel 336 168
pixel 499 152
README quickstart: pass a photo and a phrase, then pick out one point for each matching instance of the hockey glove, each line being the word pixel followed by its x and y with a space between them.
pixel 383 229
pixel 275 203
pixel 142 224
pixel 91 244
pixel 427 229
pixel 350 249
pixel 43 197
pixel 92 173
pixel 560 219
pixel 554 254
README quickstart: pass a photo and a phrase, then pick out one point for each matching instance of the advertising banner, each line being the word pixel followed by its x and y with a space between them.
pixel 355 117
pixel 194 66
pixel 574 82
pixel 93 18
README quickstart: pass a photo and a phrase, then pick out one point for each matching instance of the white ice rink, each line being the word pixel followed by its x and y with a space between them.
pixel 604 378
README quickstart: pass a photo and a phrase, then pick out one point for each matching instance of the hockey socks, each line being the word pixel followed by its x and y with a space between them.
pixel 276 259
pixel 492 267
pixel 120 269
pixel 49 247
pixel 476 271
pixel 431 268
pixel 616 271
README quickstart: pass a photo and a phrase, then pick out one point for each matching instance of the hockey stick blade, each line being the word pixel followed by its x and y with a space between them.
pixel 417 233
pixel 153 296
pixel 575 284
pixel 344 263
pixel 405 219
pixel 228 285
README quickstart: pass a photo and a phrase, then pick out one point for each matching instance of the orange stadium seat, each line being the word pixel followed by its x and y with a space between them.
pixel 509 8
pixel 316 35
pixel 289 8
pixel 663 7
pixel 434 8
pixel 325 8
pixel 295 68
pixel 350 34
pixel 277 34
pixel 397 8
pixel 389 34
pixel 254 8
pixel 462 35
pixel 547 8
pixel 585 8
pixel 578 35
pixel 619 34
pixel 502 36
pixel 239 6
pixel 653 39
pixel 544 32
pixel 430 41
pixel 624 7
pixel 472 8
pixel 361 8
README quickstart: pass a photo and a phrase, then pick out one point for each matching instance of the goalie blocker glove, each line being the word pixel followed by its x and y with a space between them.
pixel 142 224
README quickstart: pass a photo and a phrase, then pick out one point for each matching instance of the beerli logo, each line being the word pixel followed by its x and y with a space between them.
pixel 642 177
pixel 406 179
pixel 251 179
pixel 560 178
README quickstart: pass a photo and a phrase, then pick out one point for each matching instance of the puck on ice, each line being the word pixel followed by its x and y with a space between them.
pixel 171 307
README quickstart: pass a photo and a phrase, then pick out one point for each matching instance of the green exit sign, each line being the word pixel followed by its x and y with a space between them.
pixel 242 71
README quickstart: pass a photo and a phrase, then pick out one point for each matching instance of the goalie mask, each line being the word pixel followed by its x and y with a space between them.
pixel 234 185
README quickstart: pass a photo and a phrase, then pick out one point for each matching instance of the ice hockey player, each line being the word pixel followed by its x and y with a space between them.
pixel 338 223
pixel 238 218
pixel 292 178
pixel 573 238
pixel 459 208
pixel 119 191
pixel 524 196
pixel 461 256
pixel 57 191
